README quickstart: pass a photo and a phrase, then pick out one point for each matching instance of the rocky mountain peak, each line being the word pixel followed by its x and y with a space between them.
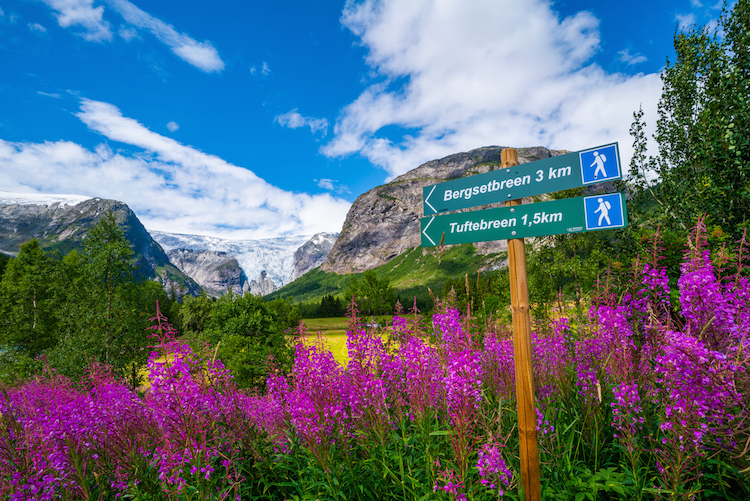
pixel 263 286
pixel 215 271
pixel 312 254
pixel 62 222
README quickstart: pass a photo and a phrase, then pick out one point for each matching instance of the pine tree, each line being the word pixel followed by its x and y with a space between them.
pixel 28 307
pixel 107 310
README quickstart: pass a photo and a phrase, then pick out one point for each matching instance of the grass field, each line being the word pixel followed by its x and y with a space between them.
pixel 325 324
pixel 332 334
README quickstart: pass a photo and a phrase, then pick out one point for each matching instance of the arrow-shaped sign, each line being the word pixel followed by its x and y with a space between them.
pixel 427 200
pixel 424 232
pixel 569 215
pixel 548 175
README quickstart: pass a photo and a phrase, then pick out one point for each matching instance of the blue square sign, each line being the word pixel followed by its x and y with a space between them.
pixel 604 211
pixel 600 164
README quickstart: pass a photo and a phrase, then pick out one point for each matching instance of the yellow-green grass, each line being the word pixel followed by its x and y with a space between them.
pixel 331 332
pixel 325 324
pixel 334 341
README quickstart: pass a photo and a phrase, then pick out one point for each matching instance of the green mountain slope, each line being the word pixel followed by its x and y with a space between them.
pixel 410 273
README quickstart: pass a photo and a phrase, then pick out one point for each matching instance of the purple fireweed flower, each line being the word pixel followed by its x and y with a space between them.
pixel 551 358
pixel 696 388
pixel 627 414
pixel 542 424
pixel 452 333
pixel 497 366
pixel 492 468
pixel 320 399
pixel 450 484
pixel 710 308
pixel 423 377
pixel 463 380
pixel 715 311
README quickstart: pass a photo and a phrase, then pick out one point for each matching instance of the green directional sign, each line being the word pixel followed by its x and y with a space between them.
pixel 569 215
pixel 572 170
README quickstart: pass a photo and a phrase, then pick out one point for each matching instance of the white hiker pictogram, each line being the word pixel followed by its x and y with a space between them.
pixel 599 162
pixel 604 207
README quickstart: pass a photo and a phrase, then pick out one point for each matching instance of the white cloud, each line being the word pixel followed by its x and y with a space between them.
pixel 326 184
pixel 294 120
pixel 627 57
pixel 172 187
pixel 83 14
pixel 172 126
pixel 202 55
pixel 37 27
pixel 332 185
pixel 127 33
pixel 264 69
pixel 456 75
pixel 685 21
pixel 696 3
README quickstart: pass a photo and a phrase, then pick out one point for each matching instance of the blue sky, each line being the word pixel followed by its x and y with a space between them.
pixel 247 119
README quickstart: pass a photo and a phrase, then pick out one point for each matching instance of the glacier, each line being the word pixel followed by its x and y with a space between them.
pixel 12 198
pixel 275 256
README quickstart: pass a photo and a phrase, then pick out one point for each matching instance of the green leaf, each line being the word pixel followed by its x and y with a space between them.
pixel 440 433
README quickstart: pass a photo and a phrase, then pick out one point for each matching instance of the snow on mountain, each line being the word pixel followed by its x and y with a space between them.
pixel 275 256
pixel 10 198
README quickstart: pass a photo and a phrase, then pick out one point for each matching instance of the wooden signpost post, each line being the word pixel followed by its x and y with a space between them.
pixel 525 391
pixel 514 222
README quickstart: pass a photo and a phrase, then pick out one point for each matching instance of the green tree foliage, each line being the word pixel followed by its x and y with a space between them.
pixel 86 307
pixel 702 130
pixel 108 307
pixel 468 291
pixel 331 306
pixel 286 314
pixel 194 313
pixel 28 310
pixel 373 295
pixel 566 264
pixel 487 296
pixel 328 306
pixel 248 334
pixel 3 263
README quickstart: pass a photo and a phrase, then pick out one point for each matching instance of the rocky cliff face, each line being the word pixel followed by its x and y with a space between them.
pixel 384 222
pixel 312 254
pixel 215 271
pixel 62 222
pixel 263 286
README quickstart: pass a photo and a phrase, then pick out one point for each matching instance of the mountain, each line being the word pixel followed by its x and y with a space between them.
pixel 275 256
pixel 215 271
pixel 263 286
pixel 312 254
pixel 384 222
pixel 62 221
